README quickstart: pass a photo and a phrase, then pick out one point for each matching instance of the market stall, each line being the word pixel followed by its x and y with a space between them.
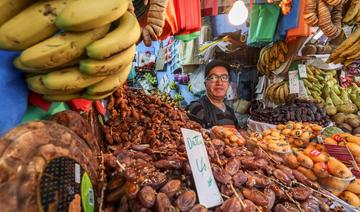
pixel 109 125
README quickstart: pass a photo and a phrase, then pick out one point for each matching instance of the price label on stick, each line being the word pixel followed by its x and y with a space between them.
pixel 207 190
pixel 302 89
pixel 294 84
pixel 302 71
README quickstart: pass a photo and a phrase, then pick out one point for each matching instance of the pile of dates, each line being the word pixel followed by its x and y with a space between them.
pixel 147 167
pixel 299 111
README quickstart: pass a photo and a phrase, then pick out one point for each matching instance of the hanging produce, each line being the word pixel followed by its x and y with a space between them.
pixel 327 14
pixel 352 15
pixel 85 59
pixel 272 57
pixel 348 50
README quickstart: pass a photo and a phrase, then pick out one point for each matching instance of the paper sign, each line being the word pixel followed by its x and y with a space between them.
pixel 339 152
pixel 302 89
pixel 294 81
pixel 302 71
pixel 206 187
pixel 77 173
pixel 261 84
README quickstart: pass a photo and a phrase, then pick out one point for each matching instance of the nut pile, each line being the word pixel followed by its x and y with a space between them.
pixel 148 170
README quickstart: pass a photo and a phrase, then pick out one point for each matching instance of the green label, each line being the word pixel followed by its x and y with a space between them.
pixel 87 193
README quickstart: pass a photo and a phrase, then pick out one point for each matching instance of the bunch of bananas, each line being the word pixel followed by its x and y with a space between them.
pixel 348 51
pixel 272 57
pixel 90 57
pixel 323 87
pixel 278 92
pixel 352 15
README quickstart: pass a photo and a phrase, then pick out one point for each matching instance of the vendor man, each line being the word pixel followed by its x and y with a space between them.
pixel 210 110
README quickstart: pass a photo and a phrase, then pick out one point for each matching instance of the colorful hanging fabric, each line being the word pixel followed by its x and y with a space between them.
pixel 302 29
pixel 209 8
pixel 289 21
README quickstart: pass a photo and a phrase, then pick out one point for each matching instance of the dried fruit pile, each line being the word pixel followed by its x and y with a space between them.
pixel 147 167
pixel 299 110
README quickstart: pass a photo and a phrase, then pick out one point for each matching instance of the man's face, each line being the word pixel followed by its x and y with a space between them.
pixel 217 82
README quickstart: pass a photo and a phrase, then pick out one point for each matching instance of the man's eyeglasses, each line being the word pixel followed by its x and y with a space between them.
pixel 214 78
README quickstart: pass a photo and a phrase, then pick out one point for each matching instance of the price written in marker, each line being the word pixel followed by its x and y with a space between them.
pixel 294 83
pixel 207 190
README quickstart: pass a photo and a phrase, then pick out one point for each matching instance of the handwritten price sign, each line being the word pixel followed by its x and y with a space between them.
pixel 207 190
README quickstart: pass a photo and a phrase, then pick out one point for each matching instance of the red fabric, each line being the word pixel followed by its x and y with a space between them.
pixel 209 8
pixel 80 104
pixel 188 21
pixel 170 26
pixel 100 107
pixel 37 100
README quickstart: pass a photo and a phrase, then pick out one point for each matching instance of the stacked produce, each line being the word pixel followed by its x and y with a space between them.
pixel 314 161
pixel 299 111
pixel 278 92
pixel 351 191
pixel 348 50
pixel 271 57
pixel 147 166
pixel 327 14
pixel 352 72
pixel 86 59
pixel 323 87
pixel 349 123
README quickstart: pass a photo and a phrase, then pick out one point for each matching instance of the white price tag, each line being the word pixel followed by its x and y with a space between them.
pixel 206 187
pixel 261 84
pixel 294 82
pixel 260 96
pixel 77 173
pixel 347 30
pixel 302 89
pixel 302 71
pixel 342 74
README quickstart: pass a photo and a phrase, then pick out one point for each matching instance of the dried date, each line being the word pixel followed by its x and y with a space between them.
pixel 249 206
pixel 280 208
pixel 239 179
pixel 270 194
pixel 231 205
pixel 256 196
pixel 163 203
pixel 171 187
pixel 198 208
pixel 147 196
pixel 232 167
pixel 301 193
pixel 186 200
pixel 279 193
pixel 220 175
pixel 280 175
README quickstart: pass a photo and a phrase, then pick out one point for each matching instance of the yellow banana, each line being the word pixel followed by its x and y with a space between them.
pixel 125 35
pixel 109 65
pixel 61 97
pixel 84 15
pixel 69 78
pixel 31 25
pixel 110 83
pixel 9 8
pixel 281 94
pixel 35 84
pixel 96 97
pixel 60 49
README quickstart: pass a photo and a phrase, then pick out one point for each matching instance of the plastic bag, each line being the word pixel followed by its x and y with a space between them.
pixel 197 79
